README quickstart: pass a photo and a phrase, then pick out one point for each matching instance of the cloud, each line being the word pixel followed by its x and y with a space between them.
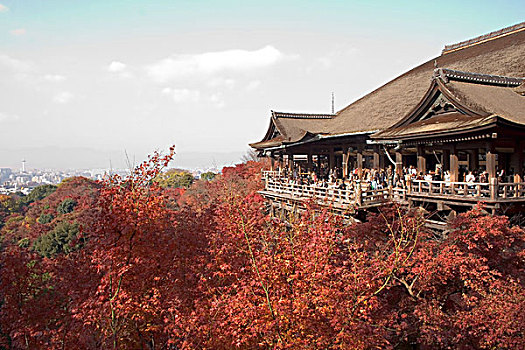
pixel 3 8
pixel 63 97
pixel 184 65
pixel 116 67
pixel 4 117
pixel 217 100
pixel 14 64
pixel 222 83
pixel 252 85
pixel 18 31
pixel 119 68
pixel 54 77
pixel 325 62
pixel 182 95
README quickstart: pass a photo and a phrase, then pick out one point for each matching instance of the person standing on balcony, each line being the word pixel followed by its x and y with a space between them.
pixel 447 177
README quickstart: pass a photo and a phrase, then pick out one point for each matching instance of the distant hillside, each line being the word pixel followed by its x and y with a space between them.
pixel 88 158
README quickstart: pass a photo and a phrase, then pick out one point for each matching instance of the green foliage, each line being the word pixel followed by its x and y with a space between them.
pixel 175 179
pixel 23 243
pixel 66 206
pixel 38 193
pixel 45 218
pixel 58 240
pixel 208 176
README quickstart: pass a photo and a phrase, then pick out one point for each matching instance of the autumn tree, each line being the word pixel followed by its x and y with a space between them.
pixel 134 265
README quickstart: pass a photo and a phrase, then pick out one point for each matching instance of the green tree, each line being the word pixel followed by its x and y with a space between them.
pixel 45 218
pixel 208 176
pixel 38 193
pixel 175 178
pixel 57 241
pixel 67 206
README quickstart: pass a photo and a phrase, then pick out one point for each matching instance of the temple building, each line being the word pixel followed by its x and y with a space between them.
pixel 460 113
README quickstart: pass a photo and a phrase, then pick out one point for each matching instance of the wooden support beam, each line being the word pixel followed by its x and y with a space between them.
pixel 382 160
pixel 491 164
pixel 399 163
pixel 272 162
pixel 493 187
pixel 421 160
pixel 331 159
pixel 346 157
pixel 376 164
pixel 521 157
pixel 360 164
pixel 454 166
pixel 310 160
pixel 473 159
pixel 446 159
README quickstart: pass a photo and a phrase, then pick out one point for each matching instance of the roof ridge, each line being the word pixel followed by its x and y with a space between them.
pixel 302 115
pixel 483 38
pixel 446 74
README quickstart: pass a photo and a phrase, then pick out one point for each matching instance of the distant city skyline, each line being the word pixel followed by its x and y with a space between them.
pixel 82 82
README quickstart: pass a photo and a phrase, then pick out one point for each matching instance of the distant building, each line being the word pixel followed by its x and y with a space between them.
pixel 4 174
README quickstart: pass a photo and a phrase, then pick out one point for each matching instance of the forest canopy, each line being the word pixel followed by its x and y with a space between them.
pixel 131 263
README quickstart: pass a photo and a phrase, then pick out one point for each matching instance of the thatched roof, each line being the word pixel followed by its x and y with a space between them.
pixel 440 125
pixel 392 101
pixel 292 127
pixel 478 101
pixel 501 54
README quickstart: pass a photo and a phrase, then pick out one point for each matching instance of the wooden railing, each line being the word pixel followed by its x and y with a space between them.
pixel 481 191
pixel 359 193
pixel 511 190
pixel 271 174
pixel 443 188
pixel 342 196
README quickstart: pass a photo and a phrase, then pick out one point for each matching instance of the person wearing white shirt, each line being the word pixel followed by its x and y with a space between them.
pixel 470 177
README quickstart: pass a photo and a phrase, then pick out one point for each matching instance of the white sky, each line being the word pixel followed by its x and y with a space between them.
pixel 79 85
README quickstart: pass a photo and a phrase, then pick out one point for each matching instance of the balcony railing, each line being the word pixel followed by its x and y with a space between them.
pixel 360 193
pixel 480 191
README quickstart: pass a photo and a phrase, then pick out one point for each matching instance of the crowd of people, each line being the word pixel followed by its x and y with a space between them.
pixel 380 178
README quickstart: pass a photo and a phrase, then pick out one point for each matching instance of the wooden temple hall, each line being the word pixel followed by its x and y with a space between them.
pixel 449 132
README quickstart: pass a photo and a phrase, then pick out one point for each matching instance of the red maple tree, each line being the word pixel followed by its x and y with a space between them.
pixel 208 268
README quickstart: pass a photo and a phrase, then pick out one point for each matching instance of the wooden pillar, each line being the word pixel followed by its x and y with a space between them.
pixel 446 159
pixel 454 166
pixel 399 163
pixel 360 163
pixel 493 187
pixel 272 162
pixel 473 163
pixel 318 162
pixel 421 160
pixel 521 157
pixel 290 162
pixel 382 160
pixel 491 162
pixel 346 157
pixel 331 159
pixel 310 161
pixel 281 161
pixel 376 164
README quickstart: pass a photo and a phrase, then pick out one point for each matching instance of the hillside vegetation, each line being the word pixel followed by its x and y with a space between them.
pixel 134 263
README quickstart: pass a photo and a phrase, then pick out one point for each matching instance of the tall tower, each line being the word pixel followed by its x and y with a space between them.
pixel 23 165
